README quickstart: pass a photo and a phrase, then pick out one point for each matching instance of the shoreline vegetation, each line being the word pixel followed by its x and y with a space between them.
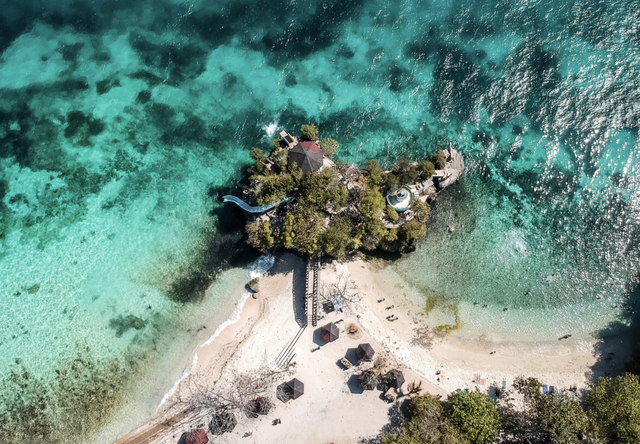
pixel 552 392
pixel 325 206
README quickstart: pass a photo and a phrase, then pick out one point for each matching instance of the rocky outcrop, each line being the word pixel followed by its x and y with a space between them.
pixel 452 170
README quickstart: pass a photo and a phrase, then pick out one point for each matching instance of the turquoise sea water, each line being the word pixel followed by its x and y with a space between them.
pixel 121 124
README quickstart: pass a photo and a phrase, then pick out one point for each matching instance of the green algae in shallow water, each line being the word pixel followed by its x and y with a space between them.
pixel 434 301
pixel 446 328
pixel 33 289
pixel 68 407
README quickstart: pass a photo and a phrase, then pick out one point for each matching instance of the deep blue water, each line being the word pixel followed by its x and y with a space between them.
pixel 121 122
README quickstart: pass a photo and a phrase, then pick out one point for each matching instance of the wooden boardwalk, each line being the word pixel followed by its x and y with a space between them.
pixel 313 288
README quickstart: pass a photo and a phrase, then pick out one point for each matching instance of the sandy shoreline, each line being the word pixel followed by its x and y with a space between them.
pixel 333 407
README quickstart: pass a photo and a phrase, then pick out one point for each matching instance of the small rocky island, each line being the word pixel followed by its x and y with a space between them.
pixel 298 198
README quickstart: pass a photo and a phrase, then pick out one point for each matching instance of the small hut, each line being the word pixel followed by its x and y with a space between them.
pixel 197 436
pixel 222 422
pixel 307 155
pixel 258 406
pixel 295 388
pixel 395 379
pixel 365 352
pixel 330 332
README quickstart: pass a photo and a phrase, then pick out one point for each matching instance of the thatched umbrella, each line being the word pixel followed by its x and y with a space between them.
pixel 222 422
pixel 330 332
pixel 197 436
pixel 258 406
pixel 307 155
pixel 395 379
pixel 296 388
pixel 365 352
pixel 368 380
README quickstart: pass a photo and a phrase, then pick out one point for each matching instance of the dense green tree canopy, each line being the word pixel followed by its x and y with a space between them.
pixel 412 231
pixel 372 204
pixel 309 132
pixel 613 405
pixel 438 160
pixel 426 169
pixel 426 423
pixel 392 214
pixel 474 415
pixel 318 189
pixel 272 187
pixel 302 229
pixel 405 171
pixel 339 238
pixel 329 147
pixel 376 174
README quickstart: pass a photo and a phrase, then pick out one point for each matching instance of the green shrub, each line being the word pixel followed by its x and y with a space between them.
pixel 392 214
pixel 438 160
pixel 329 147
pixel 613 405
pixel 474 416
pixel 426 169
pixel 309 132
pixel 277 142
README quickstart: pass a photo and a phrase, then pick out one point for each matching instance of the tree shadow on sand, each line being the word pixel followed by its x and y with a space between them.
pixel 291 263
pixel 396 415
pixel 617 341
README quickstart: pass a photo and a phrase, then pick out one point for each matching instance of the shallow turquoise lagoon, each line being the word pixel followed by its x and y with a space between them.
pixel 121 125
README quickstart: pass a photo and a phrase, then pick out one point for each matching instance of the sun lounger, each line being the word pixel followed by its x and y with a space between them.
pixel 504 385
pixel 483 381
pixel 545 389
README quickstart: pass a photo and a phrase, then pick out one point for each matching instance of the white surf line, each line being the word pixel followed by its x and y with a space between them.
pixel 257 269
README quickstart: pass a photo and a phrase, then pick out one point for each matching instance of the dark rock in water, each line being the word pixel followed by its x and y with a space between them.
pixel 291 80
pixel 480 54
pixel 33 289
pixel 254 285
pixel 517 130
pixel 121 325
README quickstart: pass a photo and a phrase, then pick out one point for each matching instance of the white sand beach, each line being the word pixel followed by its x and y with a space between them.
pixel 333 408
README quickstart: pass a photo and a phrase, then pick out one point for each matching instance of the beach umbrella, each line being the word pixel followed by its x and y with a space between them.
pixel 222 422
pixel 307 155
pixel 197 436
pixel 258 406
pixel 395 379
pixel 365 352
pixel 330 332
pixel 296 388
